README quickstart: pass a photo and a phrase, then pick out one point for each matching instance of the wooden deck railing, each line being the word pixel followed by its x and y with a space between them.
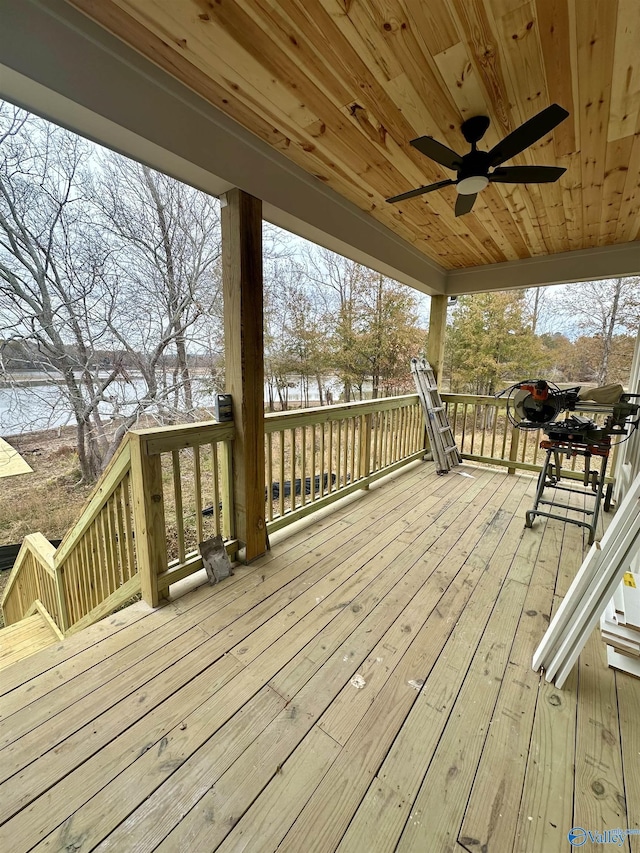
pixel 169 488
pixel 178 472
pixel 139 530
pixel 96 560
pixel 33 578
pixel 315 456
pixel 484 434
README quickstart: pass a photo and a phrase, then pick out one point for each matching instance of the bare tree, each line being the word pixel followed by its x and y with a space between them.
pixel 106 278
pixel 168 237
pixel 342 281
pixel 604 309
pixel 53 268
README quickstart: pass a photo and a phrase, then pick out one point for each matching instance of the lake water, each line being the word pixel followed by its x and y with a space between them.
pixel 38 407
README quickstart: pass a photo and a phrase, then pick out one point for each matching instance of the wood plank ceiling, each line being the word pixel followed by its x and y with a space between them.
pixel 341 86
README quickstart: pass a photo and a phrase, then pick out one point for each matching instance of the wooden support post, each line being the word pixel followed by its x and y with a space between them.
pixel 244 365
pixel 437 329
pixel 148 518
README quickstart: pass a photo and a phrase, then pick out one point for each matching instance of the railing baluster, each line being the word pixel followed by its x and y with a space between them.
pixel 345 452
pixel 177 496
pixel 281 492
pixel 464 425
pixel 269 495
pixel 322 461
pixel 292 491
pixel 494 416
pixel 484 428
pixel 112 569
pixel 513 452
pixel 197 478
pixel 303 466
pixel 126 508
pixel 330 456
pixel 504 435
pixel 314 467
pixel 536 448
pixel 216 486
pixel 111 517
pixel 353 449
pixel 120 535
pixel 387 438
pixel 84 577
pixel 228 510
pixel 474 417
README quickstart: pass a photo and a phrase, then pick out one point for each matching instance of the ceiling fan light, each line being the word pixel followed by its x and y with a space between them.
pixel 471 185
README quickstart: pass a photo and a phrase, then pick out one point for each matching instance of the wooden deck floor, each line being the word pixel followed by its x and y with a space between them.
pixel 365 687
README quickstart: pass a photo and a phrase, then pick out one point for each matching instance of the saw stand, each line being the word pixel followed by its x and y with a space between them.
pixel 550 478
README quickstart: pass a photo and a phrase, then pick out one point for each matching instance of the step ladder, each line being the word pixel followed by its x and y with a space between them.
pixel 441 438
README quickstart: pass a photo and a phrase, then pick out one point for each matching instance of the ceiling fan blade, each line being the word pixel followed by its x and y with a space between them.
pixel 527 174
pixel 436 151
pixel 528 133
pixel 420 191
pixel 464 203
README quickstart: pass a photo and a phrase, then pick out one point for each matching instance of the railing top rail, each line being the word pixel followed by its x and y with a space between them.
pixel 478 399
pixel 275 421
pixel 167 438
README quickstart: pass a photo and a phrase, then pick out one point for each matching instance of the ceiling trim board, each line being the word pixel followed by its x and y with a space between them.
pixel 566 267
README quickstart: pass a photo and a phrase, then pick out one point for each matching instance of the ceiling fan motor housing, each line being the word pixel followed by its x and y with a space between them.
pixel 474 128
pixel 473 174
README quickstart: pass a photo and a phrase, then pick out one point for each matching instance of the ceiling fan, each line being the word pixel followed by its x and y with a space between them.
pixel 477 169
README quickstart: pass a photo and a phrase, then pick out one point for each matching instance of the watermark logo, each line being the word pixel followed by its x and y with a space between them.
pixel 578 836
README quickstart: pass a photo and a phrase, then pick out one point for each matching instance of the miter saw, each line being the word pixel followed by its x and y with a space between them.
pixel 537 404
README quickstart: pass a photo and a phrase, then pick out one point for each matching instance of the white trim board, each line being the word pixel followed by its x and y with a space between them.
pixel 591 591
pixel 623 662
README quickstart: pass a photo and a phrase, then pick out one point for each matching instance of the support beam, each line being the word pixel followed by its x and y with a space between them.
pixel 437 329
pixel 599 262
pixel 244 364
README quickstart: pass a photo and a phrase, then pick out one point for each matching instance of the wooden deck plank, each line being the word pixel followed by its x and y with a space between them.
pixel 212 615
pixel 327 815
pixel 110 801
pixel 33 668
pixel 461 574
pixel 151 823
pixel 219 798
pixel 307 627
pixel 25 638
pixel 401 770
pixel 546 810
pixel 267 821
pixel 340 631
pixel 491 815
pixel 599 800
pixel 439 805
pixel 238 728
pixel 628 696
pixel 194 663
